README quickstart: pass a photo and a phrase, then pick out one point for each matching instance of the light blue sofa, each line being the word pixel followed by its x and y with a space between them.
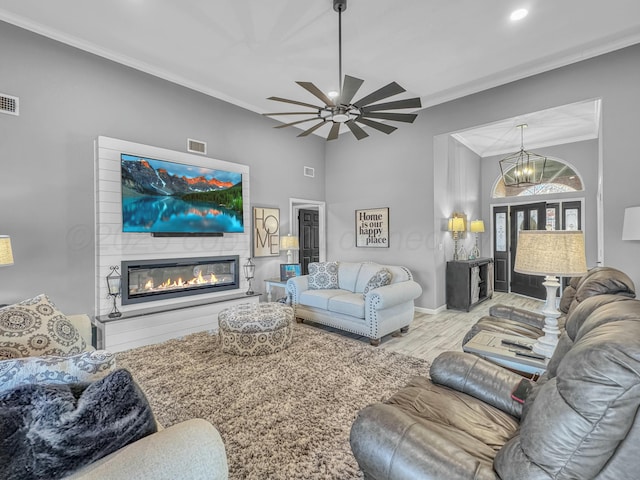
pixel 380 312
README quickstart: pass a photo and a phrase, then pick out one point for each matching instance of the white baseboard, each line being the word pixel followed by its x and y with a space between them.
pixel 431 311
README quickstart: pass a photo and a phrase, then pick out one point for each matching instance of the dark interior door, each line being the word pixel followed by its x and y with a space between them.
pixel 526 217
pixel 309 235
pixel 571 220
pixel 501 248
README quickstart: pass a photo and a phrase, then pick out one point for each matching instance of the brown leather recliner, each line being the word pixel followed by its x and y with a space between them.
pixel 579 422
pixel 516 321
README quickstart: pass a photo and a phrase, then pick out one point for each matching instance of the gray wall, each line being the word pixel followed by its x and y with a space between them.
pixel 400 170
pixel 68 98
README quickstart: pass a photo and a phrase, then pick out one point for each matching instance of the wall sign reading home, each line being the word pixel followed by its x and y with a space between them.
pixel 372 228
pixel 266 232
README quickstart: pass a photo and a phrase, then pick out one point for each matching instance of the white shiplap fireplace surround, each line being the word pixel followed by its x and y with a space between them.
pixel 152 322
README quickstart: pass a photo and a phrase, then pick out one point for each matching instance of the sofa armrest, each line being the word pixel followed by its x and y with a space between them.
pixel 479 378
pixel 528 317
pixel 190 450
pixel 83 324
pixel 388 443
pixel 394 294
pixel 295 286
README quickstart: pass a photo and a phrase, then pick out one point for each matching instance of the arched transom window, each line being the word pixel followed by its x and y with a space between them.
pixel 558 177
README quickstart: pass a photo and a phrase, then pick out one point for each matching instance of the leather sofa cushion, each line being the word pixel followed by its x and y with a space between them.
pixel 580 418
pixel 454 417
pixel 602 281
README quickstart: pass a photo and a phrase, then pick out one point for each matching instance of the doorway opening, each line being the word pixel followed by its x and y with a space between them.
pixel 508 220
pixel 308 223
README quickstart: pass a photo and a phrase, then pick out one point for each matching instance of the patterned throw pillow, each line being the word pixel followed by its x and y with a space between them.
pixel 381 278
pixel 35 327
pixel 85 367
pixel 323 275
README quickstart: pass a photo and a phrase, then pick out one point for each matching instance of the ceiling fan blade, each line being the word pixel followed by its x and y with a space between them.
pixel 358 132
pixel 350 87
pixel 382 127
pixel 311 88
pixel 396 117
pixel 272 114
pixel 387 91
pixel 295 102
pixel 407 103
pixel 335 130
pixel 312 129
pixel 295 123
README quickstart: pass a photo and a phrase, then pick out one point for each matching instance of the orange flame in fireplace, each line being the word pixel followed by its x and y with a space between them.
pixel 199 280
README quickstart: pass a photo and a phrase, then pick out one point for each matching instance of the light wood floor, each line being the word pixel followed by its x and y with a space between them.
pixel 430 335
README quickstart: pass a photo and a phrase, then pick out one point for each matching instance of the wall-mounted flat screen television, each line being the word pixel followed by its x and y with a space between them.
pixel 161 197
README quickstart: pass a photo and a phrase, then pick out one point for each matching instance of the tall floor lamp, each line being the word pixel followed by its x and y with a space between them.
pixel 552 254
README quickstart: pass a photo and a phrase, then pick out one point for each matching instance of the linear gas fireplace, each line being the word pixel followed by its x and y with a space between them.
pixel 150 280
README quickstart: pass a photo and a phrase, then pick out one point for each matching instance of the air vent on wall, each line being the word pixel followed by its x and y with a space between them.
pixel 196 146
pixel 9 104
pixel 309 172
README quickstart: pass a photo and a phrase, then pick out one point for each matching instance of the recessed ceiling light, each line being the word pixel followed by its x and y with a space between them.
pixel 333 94
pixel 519 14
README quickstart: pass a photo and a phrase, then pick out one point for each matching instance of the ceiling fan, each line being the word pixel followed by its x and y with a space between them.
pixel 341 110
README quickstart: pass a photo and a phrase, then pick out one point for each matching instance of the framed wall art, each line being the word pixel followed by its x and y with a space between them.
pixel 266 232
pixel 289 270
pixel 372 228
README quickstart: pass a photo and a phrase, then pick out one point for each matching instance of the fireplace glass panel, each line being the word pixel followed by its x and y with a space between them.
pixel 155 280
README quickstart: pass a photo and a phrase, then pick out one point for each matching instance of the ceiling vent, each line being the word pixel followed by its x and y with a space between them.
pixel 309 172
pixel 9 104
pixel 196 146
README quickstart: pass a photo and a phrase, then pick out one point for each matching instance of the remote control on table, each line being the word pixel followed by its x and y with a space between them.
pixel 516 344
pixel 528 354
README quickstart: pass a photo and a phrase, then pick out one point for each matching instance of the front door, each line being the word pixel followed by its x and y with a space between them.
pixel 526 217
pixel 309 232
pixel 501 248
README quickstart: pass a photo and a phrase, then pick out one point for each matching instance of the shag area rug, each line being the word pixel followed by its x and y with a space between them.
pixel 282 416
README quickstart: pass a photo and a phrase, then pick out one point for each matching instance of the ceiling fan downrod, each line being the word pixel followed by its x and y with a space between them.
pixel 340 6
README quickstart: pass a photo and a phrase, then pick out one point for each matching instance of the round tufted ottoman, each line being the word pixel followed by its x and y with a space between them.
pixel 255 328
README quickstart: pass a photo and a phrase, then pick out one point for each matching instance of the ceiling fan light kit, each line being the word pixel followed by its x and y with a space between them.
pixel 341 109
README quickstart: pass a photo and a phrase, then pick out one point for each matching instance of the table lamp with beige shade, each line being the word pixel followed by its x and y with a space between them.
pixel 552 254
pixel 6 254
pixel 289 243
pixel 477 226
pixel 457 226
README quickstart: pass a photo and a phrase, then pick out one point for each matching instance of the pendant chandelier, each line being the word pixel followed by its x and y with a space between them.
pixel 340 109
pixel 523 168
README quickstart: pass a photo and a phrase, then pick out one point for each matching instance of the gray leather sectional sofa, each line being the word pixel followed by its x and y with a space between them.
pixel 580 420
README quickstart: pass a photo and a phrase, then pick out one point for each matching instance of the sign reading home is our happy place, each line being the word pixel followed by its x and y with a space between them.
pixel 372 228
